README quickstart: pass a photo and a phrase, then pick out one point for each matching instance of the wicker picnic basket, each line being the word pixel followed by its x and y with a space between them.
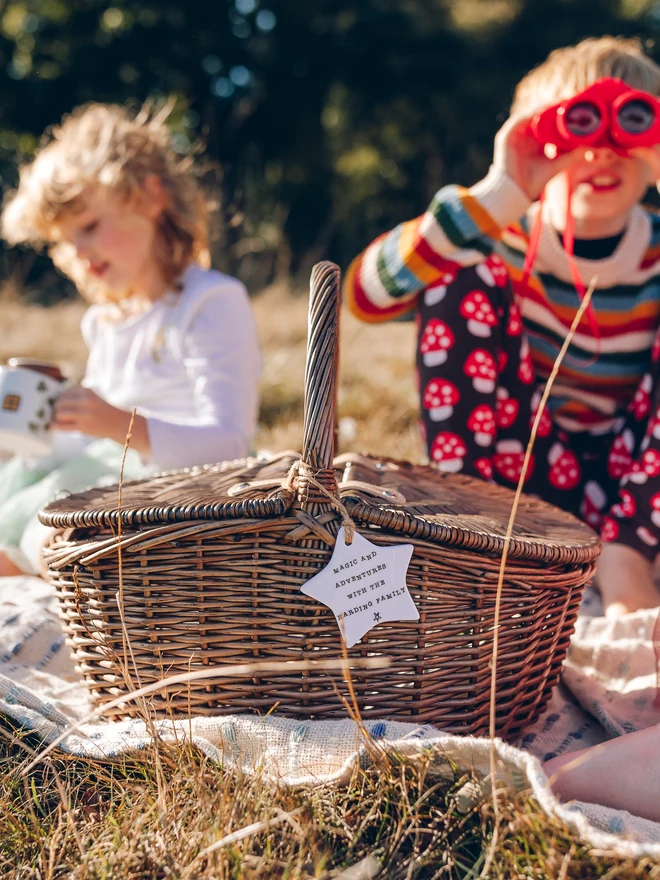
pixel 209 562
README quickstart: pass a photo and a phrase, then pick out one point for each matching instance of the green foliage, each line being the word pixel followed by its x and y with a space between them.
pixel 331 120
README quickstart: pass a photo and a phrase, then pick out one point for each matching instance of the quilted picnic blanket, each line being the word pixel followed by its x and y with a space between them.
pixel 608 688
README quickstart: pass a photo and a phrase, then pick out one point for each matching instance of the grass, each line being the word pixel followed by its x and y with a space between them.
pixel 77 819
pixel 122 822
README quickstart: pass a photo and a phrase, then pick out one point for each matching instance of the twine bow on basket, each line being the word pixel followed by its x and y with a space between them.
pixel 300 475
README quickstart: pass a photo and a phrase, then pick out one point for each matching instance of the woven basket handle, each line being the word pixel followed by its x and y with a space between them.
pixel 320 414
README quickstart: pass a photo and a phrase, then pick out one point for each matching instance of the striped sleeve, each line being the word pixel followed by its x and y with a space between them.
pixel 460 228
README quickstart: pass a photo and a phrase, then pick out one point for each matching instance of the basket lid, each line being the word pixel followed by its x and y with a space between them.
pixel 398 497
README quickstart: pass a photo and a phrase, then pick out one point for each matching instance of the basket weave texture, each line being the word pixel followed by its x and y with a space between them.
pixel 207 566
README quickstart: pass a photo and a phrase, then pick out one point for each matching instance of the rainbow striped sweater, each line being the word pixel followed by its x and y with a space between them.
pixel 600 374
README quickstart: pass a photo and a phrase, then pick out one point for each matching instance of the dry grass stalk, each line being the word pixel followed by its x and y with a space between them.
pixel 398 815
pixel 128 648
pixel 210 673
pixel 507 541
pixel 248 831
pixel 366 869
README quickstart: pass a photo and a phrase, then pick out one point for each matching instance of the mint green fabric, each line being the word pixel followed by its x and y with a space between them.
pixel 26 487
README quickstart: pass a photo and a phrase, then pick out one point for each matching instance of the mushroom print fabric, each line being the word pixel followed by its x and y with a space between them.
pixel 479 398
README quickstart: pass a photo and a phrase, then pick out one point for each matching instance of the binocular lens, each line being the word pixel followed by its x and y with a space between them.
pixel 635 117
pixel 582 119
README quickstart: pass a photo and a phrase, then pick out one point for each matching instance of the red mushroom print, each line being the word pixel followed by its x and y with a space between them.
pixel 437 339
pixel 645 535
pixel 481 367
pixel 655 504
pixel 448 452
pixel 609 531
pixel 502 360
pixel 565 468
pixel 493 271
pixel 508 460
pixel 483 271
pixel 593 503
pixel 440 397
pixel 640 405
pixel 480 315
pixel 498 270
pixel 485 467
pixel 437 292
pixel 514 323
pixel 650 462
pixel 506 411
pixel 620 457
pixel 643 468
pixel 635 474
pixel 655 351
pixel 482 423
pixel 626 507
pixel 545 422
pixel 525 369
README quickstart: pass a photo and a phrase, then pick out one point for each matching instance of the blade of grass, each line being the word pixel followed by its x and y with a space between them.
pixel 505 552
pixel 214 672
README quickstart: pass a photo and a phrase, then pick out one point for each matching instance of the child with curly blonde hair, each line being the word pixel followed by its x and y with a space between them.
pixel 124 218
pixel 490 329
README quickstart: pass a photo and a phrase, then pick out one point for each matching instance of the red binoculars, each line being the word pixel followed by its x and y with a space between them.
pixel 607 114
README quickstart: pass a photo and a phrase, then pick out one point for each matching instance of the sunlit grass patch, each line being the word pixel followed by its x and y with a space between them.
pixel 199 820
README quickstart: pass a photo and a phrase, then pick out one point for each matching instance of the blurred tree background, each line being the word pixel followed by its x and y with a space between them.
pixel 330 121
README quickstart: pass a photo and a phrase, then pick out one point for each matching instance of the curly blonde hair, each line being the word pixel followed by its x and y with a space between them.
pixel 106 145
pixel 569 70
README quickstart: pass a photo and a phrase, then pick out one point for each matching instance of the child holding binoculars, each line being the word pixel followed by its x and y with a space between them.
pixel 169 339
pixel 497 272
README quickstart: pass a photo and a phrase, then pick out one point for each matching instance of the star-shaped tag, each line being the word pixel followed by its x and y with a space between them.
pixel 364 585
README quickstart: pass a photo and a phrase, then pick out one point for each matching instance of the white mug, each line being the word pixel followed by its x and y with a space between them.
pixel 28 390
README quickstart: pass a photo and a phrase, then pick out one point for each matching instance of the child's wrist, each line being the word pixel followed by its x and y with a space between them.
pixel 501 197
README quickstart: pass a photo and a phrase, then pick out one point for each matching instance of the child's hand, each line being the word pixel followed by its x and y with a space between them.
pixel 651 157
pixel 80 409
pixel 521 157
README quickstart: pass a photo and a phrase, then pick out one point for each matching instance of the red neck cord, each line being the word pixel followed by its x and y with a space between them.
pixel 534 240
pixel 569 245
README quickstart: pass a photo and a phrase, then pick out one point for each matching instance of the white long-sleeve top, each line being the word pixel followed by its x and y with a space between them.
pixel 190 365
